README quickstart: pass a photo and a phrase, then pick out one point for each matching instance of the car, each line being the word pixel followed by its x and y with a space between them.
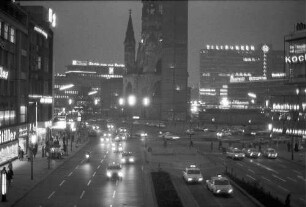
pixel 114 171
pixel 270 153
pixel 219 185
pixel 117 147
pixel 127 158
pixel 192 174
pixel 122 129
pixel 141 134
pixel 169 136
pixel 190 132
pixel 235 153
pixel 160 125
pixel 251 152
pixel 122 136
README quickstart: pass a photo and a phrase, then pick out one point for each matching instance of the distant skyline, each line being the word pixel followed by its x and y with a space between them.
pixel 95 30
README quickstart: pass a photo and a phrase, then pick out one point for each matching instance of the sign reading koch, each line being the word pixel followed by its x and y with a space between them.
pixel 295 59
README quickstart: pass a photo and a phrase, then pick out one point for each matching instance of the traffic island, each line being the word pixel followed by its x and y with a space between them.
pixel 165 192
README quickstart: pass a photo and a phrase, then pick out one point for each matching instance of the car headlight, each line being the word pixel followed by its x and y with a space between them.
pixel 113 148
pixel 275 154
pixel 131 160
pixel 259 154
pixel 218 191
pixel 251 154
pixel 123 160
pixel 87 156
pixel 120 174
pixel 200 179
pixel 120 148
pixel 269 155
pixel 230 190
pixel 123 138
pixel 189 179
pixel 102 139
pixel 236 155
pixel 107 139
pixel 108 174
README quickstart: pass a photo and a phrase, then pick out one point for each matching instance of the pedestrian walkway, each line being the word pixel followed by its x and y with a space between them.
pixel 22 182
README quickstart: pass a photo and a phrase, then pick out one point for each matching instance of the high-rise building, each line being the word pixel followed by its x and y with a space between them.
pixel 224 64
pixel 158 71
pixel 26 53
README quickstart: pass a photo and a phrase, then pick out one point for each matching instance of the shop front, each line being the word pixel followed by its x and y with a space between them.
pixel 8 144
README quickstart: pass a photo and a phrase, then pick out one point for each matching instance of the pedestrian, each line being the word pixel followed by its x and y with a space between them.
pixel 211 146
pixel 9 176
pixel 296 147
pixel 220 145
pixel 287 201
pixel 19 152
pixel 10 165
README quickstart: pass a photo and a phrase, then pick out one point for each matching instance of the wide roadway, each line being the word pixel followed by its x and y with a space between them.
pixel 81 183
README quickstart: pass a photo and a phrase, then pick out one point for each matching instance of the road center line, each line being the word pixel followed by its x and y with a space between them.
pixel 250 177
pixel 265 167
pixel 62 182
pixel 82 194
pixel 94 174
pixel 114 194
pixel 101 160
pixel 51 195
pixel 278 178
pixel 76 167
pixel 88 182
pixel 98 167
pixel 302 199
pixel 240 164
pixel 283 188
pixel 291 179
pixel 266 179
pixel 296 172
pixel 251 171
pixel 70 174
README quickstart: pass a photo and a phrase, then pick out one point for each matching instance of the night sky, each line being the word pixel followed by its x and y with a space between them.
pixel 95 30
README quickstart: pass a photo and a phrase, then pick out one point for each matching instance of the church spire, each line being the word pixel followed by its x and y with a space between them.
pixel 129 35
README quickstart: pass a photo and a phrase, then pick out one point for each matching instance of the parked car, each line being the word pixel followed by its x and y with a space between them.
pixel 270 153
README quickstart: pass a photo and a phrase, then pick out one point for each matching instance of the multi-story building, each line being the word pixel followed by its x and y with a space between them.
pixel 224 64
pixel 95 88
pixel 159 71
pixel 17 117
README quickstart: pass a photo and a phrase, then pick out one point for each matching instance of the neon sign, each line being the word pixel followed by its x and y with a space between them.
pixel 295 59
pixel 7 135
pixel 41 31
pixel 3 73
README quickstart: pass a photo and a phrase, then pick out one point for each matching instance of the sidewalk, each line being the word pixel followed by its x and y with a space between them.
pixel 22 183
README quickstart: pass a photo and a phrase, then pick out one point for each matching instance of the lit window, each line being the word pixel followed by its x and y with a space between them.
pixel 6 30
pixel 12 35
pixel 38 63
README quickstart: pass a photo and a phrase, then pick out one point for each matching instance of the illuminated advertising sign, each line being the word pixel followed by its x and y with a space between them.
pixel 41 31
pixel 295 59
pixel 3 73
pixel 7 135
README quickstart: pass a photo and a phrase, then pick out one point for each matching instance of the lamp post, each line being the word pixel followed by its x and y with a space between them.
pixel 3 185
pixel 33 143
pixel 131 102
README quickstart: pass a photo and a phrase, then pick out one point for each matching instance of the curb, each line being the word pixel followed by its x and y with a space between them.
pixel 46 176
pixel 254 200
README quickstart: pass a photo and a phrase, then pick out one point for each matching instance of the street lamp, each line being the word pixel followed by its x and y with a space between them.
pixel 3 185
pixel 33 140
pixel 131 102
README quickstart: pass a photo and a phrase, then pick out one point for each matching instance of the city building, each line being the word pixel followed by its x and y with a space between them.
pixel 89 88
pixel 19 91
pixel 158 72
pixel 221 65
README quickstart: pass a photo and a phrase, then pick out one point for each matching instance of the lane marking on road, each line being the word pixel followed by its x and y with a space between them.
pixel 82 194
pixel 265 167
pixel 266 179
pixel 251 170
pixel 292 179
pixel 116 182
pixel 94 174
pixel 88 182
pixel 62 182
pixel 250 177
pixel 114 193
pixel 76 167
pixel 70 174
pixel 296 171
pixel 98 167
pixel 51 194
pixel 141 167
pixel 240 164
pixel 301 178
pixel 104 156
pixel 106 152
pixel 221 158
pixel 283 188
pixel 278 178
pixel 101 160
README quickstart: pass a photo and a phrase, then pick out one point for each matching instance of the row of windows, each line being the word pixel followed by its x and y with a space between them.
pixel 7 118
pixel 7 32
pixel 7 59
pixel 61 96
pixel 71 92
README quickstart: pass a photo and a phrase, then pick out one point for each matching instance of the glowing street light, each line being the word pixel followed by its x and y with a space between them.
pixel 132 100
pixel 146 101
pixel 252 95
pixel 121 101
pixel 92 93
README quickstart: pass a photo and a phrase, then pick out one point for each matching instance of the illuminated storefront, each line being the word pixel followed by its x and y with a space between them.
pixel 8 144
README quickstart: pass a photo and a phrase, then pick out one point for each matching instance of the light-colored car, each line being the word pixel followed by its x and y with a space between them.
pixel 114 172
pixel 270 153
pixel 235 153
pixel 251 152
pixel 169 136
pixel 192 174
pixel 219 185
pixel 117 147
pixel 127 158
